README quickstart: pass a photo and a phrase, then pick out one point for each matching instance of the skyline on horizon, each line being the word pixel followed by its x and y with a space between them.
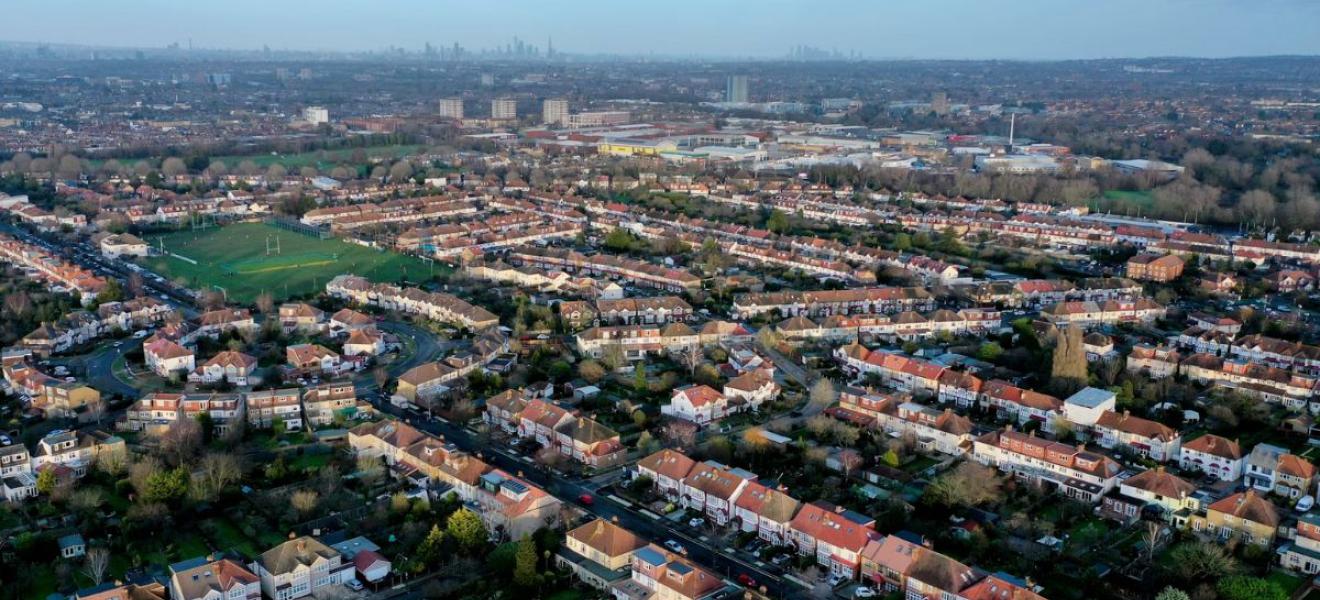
pixel 941 29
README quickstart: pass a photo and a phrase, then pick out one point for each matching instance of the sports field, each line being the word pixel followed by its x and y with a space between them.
pixel 236 258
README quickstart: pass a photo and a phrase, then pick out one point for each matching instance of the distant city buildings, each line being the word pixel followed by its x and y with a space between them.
pixel 554 111
pixel 316 115
pixel 503 109
pixel 736 89
pixel 451 108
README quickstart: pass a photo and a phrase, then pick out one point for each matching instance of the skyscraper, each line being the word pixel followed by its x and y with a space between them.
pixel 503 109
pixel 736 90
pixel 451 108
pixel 554 111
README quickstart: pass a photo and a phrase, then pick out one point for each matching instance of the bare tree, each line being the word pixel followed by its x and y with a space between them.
pixel 97 561
pixel 968 484
pixel 680 433
pixel 173 166
pixel 218 470
pixel 266 304
pixel 849 460
pixel 304 501
pixel 181 441
pixel 823 393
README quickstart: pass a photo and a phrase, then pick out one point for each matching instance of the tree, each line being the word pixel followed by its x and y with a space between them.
pixel 849 460
pixel 432 547
pixel 1243 587
pixel 1197 561
pixel 182 439
pixel 524 568
pixel 823 393
pixel 1172 593
pixel 46 481
pixel 639 378
pixel 968 484
pixel 304 501
pixel 680 433
pixel 591 371
pixel 217 471
pixel 1068 369
pixel 613 357
pixel 173 166
pixel 266 304
pixel 96 563
pixel 777 221
pixel 167 486
pixel 467 529
pixel 990 351
pixel 369 470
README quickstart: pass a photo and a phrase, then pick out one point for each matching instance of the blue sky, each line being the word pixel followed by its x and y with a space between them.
pixel 1019 29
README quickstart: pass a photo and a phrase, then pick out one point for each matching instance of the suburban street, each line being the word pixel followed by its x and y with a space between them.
pixel 640 521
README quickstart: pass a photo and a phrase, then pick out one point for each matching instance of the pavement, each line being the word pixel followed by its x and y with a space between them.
pixel 724 561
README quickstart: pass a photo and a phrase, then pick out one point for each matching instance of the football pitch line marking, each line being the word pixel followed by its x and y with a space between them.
pixel 285 267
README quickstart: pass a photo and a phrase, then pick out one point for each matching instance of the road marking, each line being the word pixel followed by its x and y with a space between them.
pixel 651 515
pixel 619 500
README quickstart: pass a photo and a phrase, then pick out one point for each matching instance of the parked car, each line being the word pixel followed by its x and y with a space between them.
pixel 696 522
pixel 837 579
pixel 746 580
pixel 781 560
pixel 586 499
pixel 675 547
pixel 864 592
pixel 354 585
pixel 1305 503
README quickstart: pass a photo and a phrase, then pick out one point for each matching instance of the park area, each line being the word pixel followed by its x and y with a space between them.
pixel 248 259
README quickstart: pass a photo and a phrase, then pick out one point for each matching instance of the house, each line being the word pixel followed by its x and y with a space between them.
pixel 1155 362
pixel 153 413
pixel 72 546
pixel 1098 346
pixel 230 365
pixel 666 469
pixel 365 557
pixel 935 430
pixel 514 506
pixel 347 320
pixel 299 567
pixel 1303 552
pixel 1136 435
pixel 204 578
pixel 1245 515
pixel 267 407
pixel 662 575
pixel 1085 407
pixel 16 480
pixel 1270 468
pixel 67 399
pixel 315 358
pixel 713 488
pixel 504 410
pixel 123 244
pixel 751 389
pixel 425 381
pixel 834 535
pixel 1155 267
pixel 216 322
pixel 599 553
pixel 1073 471
pixel 697 403
pixel 77 451
pixel 127 591
pixel 1152 487
pixel 226 410
pixel 325 402
pixel 165 357
pixel 1218 457
pixel 301 317
pixel 364 342
pixel 766 511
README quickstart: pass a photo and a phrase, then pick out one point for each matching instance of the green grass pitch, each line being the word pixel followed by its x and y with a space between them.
pixel 234 257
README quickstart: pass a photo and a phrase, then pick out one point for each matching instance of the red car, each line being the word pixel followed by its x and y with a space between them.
pixel 586 499
pixel 746 580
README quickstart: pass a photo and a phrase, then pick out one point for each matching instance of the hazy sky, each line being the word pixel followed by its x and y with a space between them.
pixel 1030 29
